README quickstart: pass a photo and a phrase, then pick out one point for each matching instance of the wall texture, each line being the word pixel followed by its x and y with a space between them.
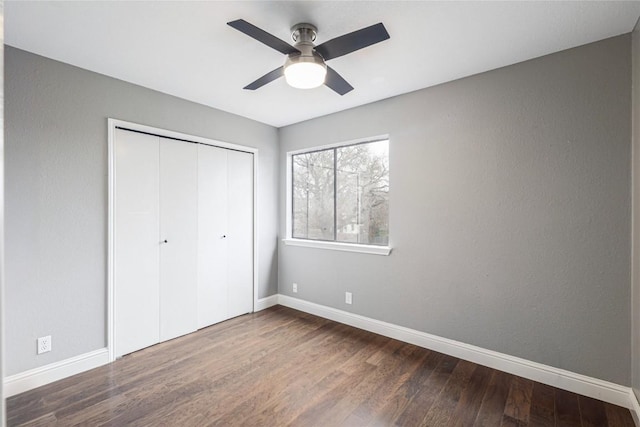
pixel 509 212
pixel 56 197
pixel 635 225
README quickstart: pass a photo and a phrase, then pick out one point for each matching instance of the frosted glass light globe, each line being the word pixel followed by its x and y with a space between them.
pixel 305 75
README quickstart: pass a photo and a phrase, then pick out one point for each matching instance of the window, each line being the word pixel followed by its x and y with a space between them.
pixel 341 194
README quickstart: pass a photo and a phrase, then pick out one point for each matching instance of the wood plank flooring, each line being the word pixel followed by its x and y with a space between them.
pixel 283 367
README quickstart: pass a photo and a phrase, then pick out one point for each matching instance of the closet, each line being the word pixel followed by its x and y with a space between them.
pixel 183 237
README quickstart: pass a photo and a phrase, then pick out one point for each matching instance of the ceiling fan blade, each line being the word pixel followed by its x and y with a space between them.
pixel 351 42
pixel 267 78
pixel 336 82
pixel 262 36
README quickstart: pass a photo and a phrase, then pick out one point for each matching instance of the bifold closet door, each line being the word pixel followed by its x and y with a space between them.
pixel 178 238
pixel 240 227
pixel 225 234
pixel 156 214
pixel 137 257
pixel 212 235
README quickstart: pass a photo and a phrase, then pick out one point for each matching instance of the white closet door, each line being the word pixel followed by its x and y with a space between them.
pixel 240 232
pixel 178 226
pixel 212 231
pixel 136 241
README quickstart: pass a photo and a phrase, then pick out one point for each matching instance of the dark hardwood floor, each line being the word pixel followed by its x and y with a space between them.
pixel 283 367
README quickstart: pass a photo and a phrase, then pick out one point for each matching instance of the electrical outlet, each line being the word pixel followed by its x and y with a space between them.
pixel 44 344
pixel 348 297
pixel 295 287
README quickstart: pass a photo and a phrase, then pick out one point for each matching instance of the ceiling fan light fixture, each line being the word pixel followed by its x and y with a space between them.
pixel 305 66
pixel 305 72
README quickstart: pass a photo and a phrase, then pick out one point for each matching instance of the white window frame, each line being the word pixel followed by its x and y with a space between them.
pixel 322 244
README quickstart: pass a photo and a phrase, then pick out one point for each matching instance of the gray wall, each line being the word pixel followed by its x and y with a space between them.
pixel 2 323
pixel 56 197
pixel 510 212
pixel 635 284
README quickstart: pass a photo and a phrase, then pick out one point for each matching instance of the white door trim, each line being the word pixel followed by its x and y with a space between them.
pixel 111 126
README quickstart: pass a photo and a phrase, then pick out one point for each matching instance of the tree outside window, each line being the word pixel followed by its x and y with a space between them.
pixel 342 194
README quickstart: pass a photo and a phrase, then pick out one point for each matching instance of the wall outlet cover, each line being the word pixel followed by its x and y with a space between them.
pixel 295 287
pixel 348 297
pixel 44 344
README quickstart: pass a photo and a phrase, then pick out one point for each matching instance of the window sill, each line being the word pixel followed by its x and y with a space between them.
pixel 338 246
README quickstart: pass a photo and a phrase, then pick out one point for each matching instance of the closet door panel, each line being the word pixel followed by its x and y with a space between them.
pixel 240 232
pixel 178 226
pixel 136 292
pixel 212 231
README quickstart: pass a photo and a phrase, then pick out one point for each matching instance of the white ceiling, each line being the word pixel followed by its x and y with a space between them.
pixel 185 48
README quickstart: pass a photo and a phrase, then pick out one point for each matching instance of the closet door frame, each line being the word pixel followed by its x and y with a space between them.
pixel 112 124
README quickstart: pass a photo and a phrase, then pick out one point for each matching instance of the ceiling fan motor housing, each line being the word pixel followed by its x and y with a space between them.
pixel 304 35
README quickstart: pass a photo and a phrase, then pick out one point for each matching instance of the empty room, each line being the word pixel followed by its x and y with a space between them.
pixel 320 213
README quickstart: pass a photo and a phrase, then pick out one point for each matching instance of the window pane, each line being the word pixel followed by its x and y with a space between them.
pixel 313 195
pixel 363 193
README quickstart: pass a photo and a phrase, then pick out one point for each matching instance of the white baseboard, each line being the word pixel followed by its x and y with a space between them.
pixel 43 375
pixel 560 378
pixel 266 302
pixel 37 377
pixel 635 407
pixel 566 380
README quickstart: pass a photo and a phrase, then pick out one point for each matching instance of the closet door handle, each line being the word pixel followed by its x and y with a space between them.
pixel 165 241
pixel 224 236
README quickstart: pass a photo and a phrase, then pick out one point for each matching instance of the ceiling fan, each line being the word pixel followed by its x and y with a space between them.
pixel 305 65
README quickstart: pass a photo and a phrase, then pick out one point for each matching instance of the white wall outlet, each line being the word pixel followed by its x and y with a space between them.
pixel 44 344
pixel 348 297
pixel 295 287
